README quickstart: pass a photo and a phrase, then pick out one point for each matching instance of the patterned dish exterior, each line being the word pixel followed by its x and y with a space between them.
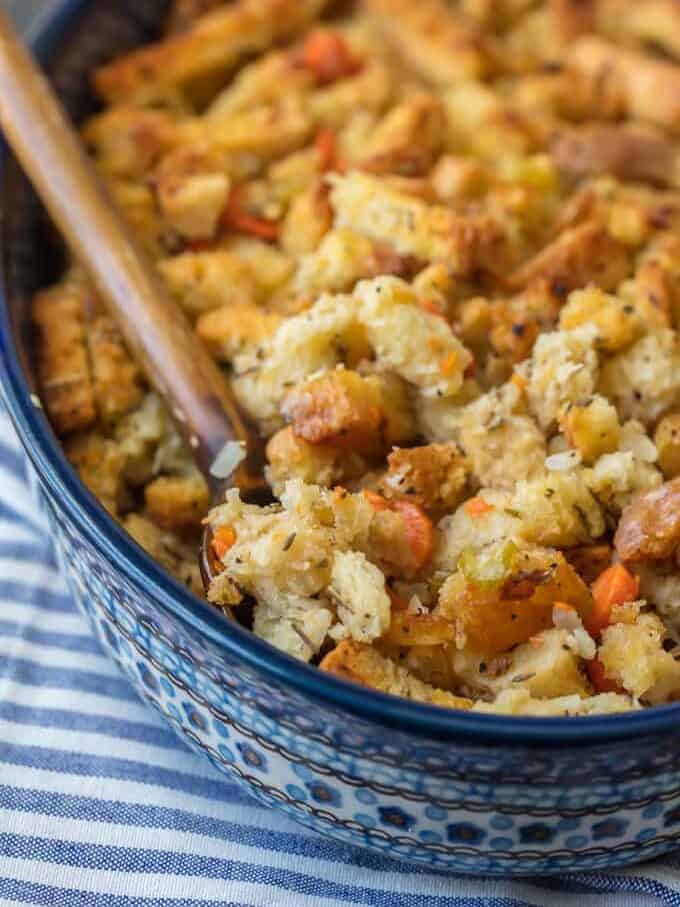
pixel 456 803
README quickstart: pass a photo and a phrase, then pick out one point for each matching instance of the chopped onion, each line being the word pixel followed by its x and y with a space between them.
pixel 226 461
pixel 561 462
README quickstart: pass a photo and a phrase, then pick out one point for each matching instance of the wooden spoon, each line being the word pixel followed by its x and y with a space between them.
pixel 155 329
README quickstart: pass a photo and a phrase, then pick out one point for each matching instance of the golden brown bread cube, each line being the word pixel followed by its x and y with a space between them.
pixel 100 463
pixel 192 189
pixel 433 476
pixel 201 281
pixel 493 615
pixel 128 141
pixel 649 528
pixel 580 255
pixel 591 426
pixel 116 378
pixel 589 561
pixel 290 457
pixel 407 139
pixel 63 363
pixel 212 45
pixel 176 555
pixel 184 12
pixel 667 440
pixel 340 408
pixel 363 664
pixel 177 502
pixel 230 330
pixel 618 321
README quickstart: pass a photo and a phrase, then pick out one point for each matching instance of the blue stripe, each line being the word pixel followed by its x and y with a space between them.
pixel 92 724
pixel 40 596
pixel 49 896
pixel 13 460
pixel 76 642
pixel 9 513
pixel 138 815
pixel 25 551
pixel 34 674
pixel 128 860
pixel 89 766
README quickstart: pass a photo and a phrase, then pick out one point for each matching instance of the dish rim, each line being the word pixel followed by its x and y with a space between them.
pixel 92 521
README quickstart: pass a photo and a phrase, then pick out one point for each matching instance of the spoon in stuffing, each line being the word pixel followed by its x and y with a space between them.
pixel 225 445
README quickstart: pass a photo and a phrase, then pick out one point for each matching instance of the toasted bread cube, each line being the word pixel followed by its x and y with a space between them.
pixel 177 502
pixel 440 45
pixel 183 13
pixel 589 561
pixel 63 364
pixel 342 258
pixel 369 91
pixel 546 666
pixel 192 193
pixel 618 322
pixel 358 588
pixel 235 329
pixel 340 408
pixel 558 509
pixel 501 596
pixel 100 463
pixel 362 664
pixel 520 702
pixel 591 426
pixel 580 255
pixel 643 382
pixel 434 476
pixel 178 556
pixel 646 88
pixel 307 221
pixel 211 46
pixel 201 281
pixel 407 139
pixel 116 378
pixel 291 457
pixel 128 141
pixel 371 207
pixel 667 440
pixel 480 121
pixel 563 369
pixel 633 656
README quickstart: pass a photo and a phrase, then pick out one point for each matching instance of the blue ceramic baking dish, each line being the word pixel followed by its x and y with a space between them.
pixel 459 792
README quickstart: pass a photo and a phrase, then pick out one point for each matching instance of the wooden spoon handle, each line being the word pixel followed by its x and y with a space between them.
pixel 154 327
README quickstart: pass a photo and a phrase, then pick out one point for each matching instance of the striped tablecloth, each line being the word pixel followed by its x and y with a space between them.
pixel 102 806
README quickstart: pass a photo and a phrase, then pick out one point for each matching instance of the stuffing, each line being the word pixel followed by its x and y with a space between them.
pixel 618 323
pixel 362 664
pixel 563 369
pixel 667 441
pixel 502 595
pixel 433 475
pixel 643 382
pixel 633 657
pixel 177 502
pixel 372 208
pixel 434 248
pixel 201 281
pixel 591 427
pixel 558 509
pixel 236 329
pixel 500 439
pixel 63 363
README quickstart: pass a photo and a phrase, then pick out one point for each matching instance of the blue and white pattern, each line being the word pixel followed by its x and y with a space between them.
pixel 102 805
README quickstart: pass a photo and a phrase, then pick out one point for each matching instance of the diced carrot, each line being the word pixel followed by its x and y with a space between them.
pixel 448 363
pixel 432 308
pixel 199 245
pixel 325 53
pixel 519 381
pixel 398 603
pixel 598 678
pixel 223 541
pixel 237 217
pixel 326 143
pixel 477 507
pixel 614 586
pixel 419 531
pixel 376 500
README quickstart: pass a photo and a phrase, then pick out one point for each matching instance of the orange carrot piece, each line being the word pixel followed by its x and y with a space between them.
pixel 223 540
pixel 419 531
pixel 477 507
pixel 398 603
pixel 448 364
pixel 237 217
pixel 614 586
pixel 325 54
pixel 326 144
pixel 376 500
pixel 598 678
